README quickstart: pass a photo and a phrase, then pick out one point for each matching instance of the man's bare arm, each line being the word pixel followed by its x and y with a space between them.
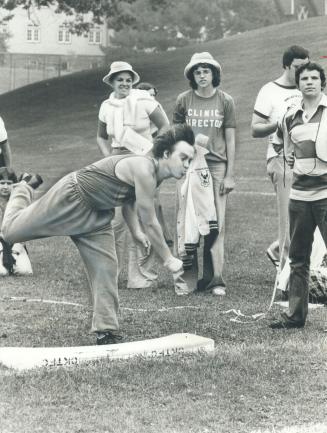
pixel 132 221
pixel 145 187
pixel 261 127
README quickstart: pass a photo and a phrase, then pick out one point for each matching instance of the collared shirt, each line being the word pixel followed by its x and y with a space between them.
pixel 299 133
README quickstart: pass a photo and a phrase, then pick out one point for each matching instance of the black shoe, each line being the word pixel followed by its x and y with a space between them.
pixel 8 260
pixel 272 257
pixel 108 338
pixel 282 324
pixel 33 180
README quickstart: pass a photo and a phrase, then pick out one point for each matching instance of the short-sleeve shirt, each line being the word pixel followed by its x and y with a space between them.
pixel 272 102
pixel 208 116
pixel 309 173
pixel 3 133
pixel 142 123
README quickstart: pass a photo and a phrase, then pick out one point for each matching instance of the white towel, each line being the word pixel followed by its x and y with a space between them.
pixel 122 121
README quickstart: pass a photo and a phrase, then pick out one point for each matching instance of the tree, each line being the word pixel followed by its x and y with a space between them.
pixel 100 10
pixel 160 24
pixel 166 23
pixel 240 15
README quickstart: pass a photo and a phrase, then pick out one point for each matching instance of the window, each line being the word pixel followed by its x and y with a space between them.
pixel 64 35
pixel 33 33
pixel 95 36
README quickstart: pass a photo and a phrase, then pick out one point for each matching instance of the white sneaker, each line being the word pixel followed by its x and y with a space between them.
pixel 219 291
pixel 182 289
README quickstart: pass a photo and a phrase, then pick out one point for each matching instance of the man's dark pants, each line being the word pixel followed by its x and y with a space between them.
pixel 304 216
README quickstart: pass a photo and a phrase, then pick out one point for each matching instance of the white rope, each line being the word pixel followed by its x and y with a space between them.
pixel 45 301
pixel 75 304
pixel 243 318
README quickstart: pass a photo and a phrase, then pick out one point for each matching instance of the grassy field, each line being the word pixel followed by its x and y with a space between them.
pixel 258 380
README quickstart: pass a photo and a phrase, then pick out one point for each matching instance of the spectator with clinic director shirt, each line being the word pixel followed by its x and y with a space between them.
pixel 211 114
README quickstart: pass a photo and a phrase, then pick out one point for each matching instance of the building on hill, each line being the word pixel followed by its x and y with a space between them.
pixel 40 38
pixel 301 9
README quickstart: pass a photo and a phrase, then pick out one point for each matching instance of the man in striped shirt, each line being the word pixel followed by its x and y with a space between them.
pixel 303 135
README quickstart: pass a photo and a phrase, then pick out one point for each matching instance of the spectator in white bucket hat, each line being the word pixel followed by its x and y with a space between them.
pixel 124 126
pixel 117 67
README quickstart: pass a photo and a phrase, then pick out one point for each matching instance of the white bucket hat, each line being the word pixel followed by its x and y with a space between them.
pixel 116 67
pixel 198 58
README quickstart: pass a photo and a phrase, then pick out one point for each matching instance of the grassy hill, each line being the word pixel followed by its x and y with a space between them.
pixel 56 117
pixel 258 381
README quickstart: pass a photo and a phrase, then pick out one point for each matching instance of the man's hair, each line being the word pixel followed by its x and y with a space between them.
pixel 147 86
pixel 215 75
pixel 167 139
pixel 294 52
pixel 7 175
pixel 311 66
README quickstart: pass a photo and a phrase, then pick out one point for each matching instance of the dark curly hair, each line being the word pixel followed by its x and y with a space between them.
pixel 215 75
pixel 167 139
pixel 147 86
pixel 311 66
pixel 7 175
pixel 294 52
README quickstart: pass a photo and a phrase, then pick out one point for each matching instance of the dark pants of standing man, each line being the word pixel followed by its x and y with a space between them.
pixel 304 216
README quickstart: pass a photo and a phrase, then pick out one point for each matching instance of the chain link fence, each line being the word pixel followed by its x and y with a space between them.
pixel 19 70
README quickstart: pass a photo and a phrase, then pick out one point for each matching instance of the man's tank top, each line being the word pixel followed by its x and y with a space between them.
pixel 101 188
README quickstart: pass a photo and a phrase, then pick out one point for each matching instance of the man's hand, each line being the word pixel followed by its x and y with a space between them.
pixel 201 140
pixel 277 147
pixel 174 264
pixel 290 160
pixel 227 185
pixel 143 243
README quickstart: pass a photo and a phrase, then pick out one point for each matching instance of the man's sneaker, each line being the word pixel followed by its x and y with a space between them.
pixel 33 180
pixel 272 256
pixel 219 291
pixel 108 338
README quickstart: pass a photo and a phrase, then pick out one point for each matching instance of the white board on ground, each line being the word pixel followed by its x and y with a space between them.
pixel 24 358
